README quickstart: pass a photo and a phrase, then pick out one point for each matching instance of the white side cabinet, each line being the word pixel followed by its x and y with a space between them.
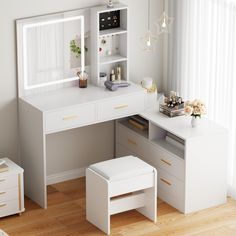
pixel 191 177
pixel 11 190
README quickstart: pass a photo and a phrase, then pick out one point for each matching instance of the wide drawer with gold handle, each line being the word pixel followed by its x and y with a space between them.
pixel 170 184
pixel 121 107
pixel 7 182
pixel 166 161
pixel 69 118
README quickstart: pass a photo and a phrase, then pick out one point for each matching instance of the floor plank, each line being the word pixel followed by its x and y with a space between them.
pixel 65 216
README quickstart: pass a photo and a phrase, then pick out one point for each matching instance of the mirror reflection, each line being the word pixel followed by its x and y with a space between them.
pixel 53 50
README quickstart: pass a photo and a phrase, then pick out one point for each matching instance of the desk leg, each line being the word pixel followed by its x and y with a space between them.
pixel 33 152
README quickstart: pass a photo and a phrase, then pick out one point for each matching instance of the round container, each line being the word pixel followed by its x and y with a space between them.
pixel 102 79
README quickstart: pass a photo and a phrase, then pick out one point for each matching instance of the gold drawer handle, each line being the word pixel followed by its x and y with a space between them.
pixel 2 180
pixel 2 193
pixel 121 107
pixel 69 117
pixel 166 162
pixel 166 182
pixel 132 142
pixel 3 205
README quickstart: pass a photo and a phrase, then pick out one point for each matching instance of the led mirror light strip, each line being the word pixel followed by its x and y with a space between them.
pixel 50 22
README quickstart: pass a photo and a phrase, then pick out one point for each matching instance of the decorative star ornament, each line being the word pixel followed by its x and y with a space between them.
pixel 164 23
pixel 149 41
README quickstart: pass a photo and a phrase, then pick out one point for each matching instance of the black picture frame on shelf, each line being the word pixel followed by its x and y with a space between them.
pixel 109 20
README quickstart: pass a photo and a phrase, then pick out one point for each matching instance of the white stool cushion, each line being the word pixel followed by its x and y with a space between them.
pixel 121 168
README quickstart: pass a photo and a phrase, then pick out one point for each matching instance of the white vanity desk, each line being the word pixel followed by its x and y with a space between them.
pixel 189 178
pixel 61 110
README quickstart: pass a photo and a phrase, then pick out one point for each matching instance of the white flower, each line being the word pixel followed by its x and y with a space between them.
pixel 188 110
pixel 195 108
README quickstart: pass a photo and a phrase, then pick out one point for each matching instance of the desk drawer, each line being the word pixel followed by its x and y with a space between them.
pixel 122 151
pixel 130 140
pixel 9 194
pixel 70 118
pixel 169 184
pixel 9 207
pixel 7 182
pixel 166 161
pixel 120 107
pixel 172 200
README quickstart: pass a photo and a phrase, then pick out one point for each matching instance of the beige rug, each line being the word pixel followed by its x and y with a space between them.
pixel 2 233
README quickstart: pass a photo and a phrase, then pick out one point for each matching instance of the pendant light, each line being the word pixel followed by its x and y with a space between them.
pixel 164 22
pixel 110 3
pixel 149 40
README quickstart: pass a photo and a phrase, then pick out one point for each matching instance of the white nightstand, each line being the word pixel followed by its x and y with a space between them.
pixel 11 190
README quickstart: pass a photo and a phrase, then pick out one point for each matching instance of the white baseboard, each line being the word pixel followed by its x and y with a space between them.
pixel 65 175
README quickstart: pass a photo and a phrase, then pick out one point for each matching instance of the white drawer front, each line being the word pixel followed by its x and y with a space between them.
pixel 7 182
pixel 130 140
pixel 9 194
pixel 120 107
pixel 170 184
pixel 70 118
pixel 166 161
pixel 122 151
pixel 9 208
pixel 172 200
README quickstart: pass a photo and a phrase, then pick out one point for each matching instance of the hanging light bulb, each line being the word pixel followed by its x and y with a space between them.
pixel 149 40
pixel 164 22
pixel 110 3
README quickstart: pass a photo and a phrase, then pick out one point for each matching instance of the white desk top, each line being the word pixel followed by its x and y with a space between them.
pixel 13 168
pixel 72 96
pixel 181 125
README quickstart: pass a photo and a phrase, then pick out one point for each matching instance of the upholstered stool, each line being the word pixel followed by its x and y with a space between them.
pixel 120 185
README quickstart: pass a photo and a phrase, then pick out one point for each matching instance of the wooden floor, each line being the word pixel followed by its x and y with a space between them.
pixel 66 216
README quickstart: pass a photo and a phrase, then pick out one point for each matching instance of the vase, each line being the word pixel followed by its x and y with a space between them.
pixel 194 121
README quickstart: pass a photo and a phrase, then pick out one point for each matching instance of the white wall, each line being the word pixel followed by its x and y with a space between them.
pixel 141 64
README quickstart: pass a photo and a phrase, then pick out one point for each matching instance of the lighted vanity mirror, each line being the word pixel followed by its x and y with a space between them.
pixel 52 49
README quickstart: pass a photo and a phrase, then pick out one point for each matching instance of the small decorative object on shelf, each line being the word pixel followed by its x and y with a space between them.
pixel 83 79
pixel 173 105
pixel 103 78
pixel 112 75
pixel 110 3
pixel 149 85
pixel 113 86
pixel 195 109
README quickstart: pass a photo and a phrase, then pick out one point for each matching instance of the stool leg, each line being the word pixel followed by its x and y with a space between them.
pixel 97 201
pixel 150 208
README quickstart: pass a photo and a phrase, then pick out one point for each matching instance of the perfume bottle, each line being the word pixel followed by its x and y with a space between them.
pixel 112 76
pixel 118 73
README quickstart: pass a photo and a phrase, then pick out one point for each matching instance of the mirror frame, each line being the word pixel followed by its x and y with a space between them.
pixel 25 26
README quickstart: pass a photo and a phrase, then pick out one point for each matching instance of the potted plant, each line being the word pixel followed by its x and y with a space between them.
pixel 195 109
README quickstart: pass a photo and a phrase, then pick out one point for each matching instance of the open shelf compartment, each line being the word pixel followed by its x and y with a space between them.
pixel 167 140
pixel 125 122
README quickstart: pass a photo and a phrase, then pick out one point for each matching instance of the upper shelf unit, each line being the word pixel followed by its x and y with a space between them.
pixel 109 39
pixel 109 32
